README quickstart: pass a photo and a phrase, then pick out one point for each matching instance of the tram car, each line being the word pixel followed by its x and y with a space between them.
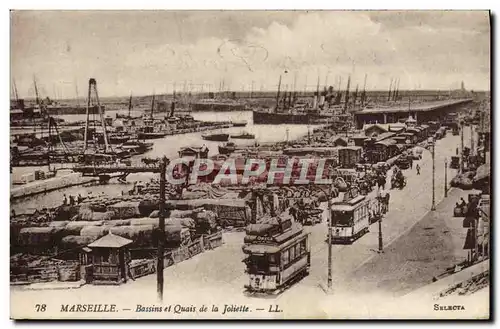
pixel 350 219
pixel 349 156
pixel 278 255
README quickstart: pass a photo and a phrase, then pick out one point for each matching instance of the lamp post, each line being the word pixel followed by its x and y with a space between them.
pixel 445 178
pixel 328 289
pixel 329 280
pixel 433 207
pixel 461 147
pixel 380 241
pixel 161 238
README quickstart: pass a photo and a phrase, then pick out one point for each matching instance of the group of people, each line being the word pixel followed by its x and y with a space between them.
pixel 72 200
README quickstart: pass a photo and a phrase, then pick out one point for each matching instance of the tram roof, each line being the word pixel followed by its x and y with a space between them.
pixel 342 207
pixel 262 248
pixel 349 205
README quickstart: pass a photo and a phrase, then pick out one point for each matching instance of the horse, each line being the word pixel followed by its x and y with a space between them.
pixel 381 180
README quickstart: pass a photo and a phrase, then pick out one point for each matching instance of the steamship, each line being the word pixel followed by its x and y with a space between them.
pixel 288 110
pixel 300 116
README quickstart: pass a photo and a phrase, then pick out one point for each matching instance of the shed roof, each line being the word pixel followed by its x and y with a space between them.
pixel 387 142
pixel 384 136
pixel 422 107
pixel 352 148
pixel 381 126
pixel 110 241
pixel 358 137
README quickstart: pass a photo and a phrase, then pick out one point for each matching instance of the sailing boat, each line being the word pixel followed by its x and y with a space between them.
pixel 121 116
pixel 287 114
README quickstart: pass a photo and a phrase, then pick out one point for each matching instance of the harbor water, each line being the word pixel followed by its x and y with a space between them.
pixel 167 146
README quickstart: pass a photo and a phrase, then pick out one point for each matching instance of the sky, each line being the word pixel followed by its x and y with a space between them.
pixel 145 52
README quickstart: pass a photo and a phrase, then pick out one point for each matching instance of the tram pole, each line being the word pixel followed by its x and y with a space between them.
pixel 329 282
pixel 380 240
pixel 445 177
pixel 161 237
pixel 433 207
pixel 461 170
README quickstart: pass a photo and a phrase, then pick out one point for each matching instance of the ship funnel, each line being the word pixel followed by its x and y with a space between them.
pixel 321 100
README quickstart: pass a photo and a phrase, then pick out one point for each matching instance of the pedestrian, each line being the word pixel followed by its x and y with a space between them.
pixel 204 152
pixel 418 169
pixel 411 162
pixel 71 200
pixel 65 200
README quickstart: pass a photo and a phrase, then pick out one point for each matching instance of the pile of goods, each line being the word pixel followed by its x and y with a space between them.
pixel 70 227
pixel 463 181
pixel 207 191
pixel 268 226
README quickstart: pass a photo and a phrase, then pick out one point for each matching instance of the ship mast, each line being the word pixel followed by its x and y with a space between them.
pixel 278 94
pixel 15 92
pixel 36 92
pixel 172 106
pixel 355 96
pixel 152 105
pixel 363 95
pixel 317 95
pixel 129 105
pixel 347 94
pixel 396 94
pixel 389 96
pixel 37 103
pixel 77 97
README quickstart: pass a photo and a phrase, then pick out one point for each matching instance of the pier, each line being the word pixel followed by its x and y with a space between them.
pixel 99 170
pixel 427 111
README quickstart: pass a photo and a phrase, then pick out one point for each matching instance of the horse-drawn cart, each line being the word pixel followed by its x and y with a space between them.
pixel 398 180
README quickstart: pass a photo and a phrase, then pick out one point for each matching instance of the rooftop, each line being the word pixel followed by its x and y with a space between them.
pixel 110 241
pixel 423 107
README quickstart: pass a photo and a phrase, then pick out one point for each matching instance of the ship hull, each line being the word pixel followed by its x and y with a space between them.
pixel 150 135
pixel 239 124
pixel 73 110
pixel 216 137
pixel 216 107
pixel 226 150
pixel 243 136
pixel 265 118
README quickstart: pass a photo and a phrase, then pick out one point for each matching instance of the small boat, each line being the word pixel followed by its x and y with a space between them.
pixel 241 123
pixel 151 135
pixel 217 137
pixel 128 117
pixel 136 147
pixel 244 135
pixel 114 138
pixel 227 148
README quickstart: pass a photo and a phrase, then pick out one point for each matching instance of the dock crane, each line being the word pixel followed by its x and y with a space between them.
pixel 93 87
